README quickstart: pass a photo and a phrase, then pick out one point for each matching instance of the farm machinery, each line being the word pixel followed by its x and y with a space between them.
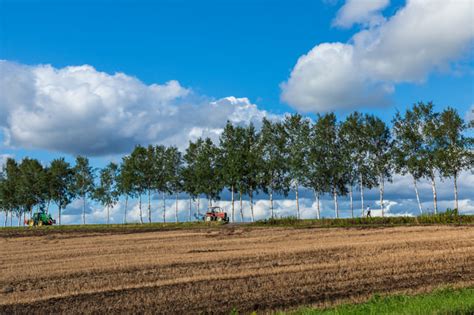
pixel 215 214
pixel 40 218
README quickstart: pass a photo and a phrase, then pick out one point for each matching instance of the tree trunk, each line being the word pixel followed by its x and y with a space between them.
pixel 108 214
pixel 140 208
pixel 125 212
pixel 381 188
pixel 297 202
pixel 336 207
pixel 190 208
pixel 417 195
pixel 318 210
pixel 251 205
pixel 83 209
pixel 11 218
pixel 164 208
pixel 59 215
pixel 19 218
pixel 352 202
pixel 435 196
pixel 361 180
pixel 149 206
pixel 176 210
pixel 232 196
pixel 456 205
pixel 47 206
pixel 198 207
pixel 241 208
pixel 271 203
pixel 6 219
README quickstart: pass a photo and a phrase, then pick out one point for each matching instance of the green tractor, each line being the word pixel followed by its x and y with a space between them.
pixel 40 218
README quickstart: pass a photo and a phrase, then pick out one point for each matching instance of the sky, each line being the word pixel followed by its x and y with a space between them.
pixel 98 77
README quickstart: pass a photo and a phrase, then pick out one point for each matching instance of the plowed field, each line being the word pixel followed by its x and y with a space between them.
pixel 217 270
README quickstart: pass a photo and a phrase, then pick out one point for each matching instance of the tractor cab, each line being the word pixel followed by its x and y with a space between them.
pixel 216 214
pixel 40 218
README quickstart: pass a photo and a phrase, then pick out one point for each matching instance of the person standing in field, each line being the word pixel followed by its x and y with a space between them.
pixel 369 215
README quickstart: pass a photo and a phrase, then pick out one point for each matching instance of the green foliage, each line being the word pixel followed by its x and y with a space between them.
pixel 61 183
pixel 107 192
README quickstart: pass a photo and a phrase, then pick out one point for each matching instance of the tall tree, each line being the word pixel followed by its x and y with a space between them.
pixel 30 184
pixel 230 156
pixel 140 166
pixel 125 182
pixel 62 184
pixel 202 160
pixel 354 138
pixel 174 181
pixel 334 168
pixel 274 177
pixel 317 168
pixel 430 149
pixel 11 196
pixel 297 136
pixel 253 164
pixel 456 148
pixel 107 193
pixel 156 174
pixel 407 143
pixel 189 175
pixel 380 150
pixel 83 182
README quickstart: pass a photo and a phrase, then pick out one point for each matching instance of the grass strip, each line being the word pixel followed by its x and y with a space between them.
pixel 443 301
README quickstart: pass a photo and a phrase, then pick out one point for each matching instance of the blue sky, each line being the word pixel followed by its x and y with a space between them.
pixel 375 56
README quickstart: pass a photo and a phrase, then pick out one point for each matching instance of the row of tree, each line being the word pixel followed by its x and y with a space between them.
pixel 326 156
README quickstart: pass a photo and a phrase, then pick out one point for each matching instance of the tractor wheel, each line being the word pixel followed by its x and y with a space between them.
pixel 208 219
pixel 31 222
pixel 219 219
pixel 40 223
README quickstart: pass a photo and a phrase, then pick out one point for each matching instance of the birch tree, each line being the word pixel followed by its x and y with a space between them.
pixel 334 168
pixel 296 134
pixel 253 164
pixel 107 193
pixel 380 150
pixel 83 182
pixel 456 152
pixel 125 182
pixel 62 184
pixel 407 143
pixel 231 159
pixel 317 168
pixel 174 182
pixel 140 166
pixel 273 173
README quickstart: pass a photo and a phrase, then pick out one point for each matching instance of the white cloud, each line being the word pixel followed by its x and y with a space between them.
pixel 470 114
pixel 80 110
pixel 3 160
pixel 422 37
pixel 360 11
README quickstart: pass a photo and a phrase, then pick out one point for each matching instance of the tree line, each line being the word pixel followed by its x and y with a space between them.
pixel 324 155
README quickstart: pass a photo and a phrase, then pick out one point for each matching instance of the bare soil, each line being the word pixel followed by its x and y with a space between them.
pixel 217 270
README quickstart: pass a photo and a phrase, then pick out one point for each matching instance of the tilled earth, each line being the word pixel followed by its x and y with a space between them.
pixel 218 270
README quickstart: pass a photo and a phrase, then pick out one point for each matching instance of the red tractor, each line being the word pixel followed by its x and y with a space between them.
pixel 216 214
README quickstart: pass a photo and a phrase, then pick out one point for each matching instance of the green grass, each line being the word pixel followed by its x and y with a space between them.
pixel 448 217
pixel 445 301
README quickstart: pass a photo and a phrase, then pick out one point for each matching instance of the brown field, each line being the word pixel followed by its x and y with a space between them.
pixel 216 270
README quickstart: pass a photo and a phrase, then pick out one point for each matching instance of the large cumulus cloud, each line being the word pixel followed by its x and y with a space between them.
pixel 80 110
pixel 422 37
